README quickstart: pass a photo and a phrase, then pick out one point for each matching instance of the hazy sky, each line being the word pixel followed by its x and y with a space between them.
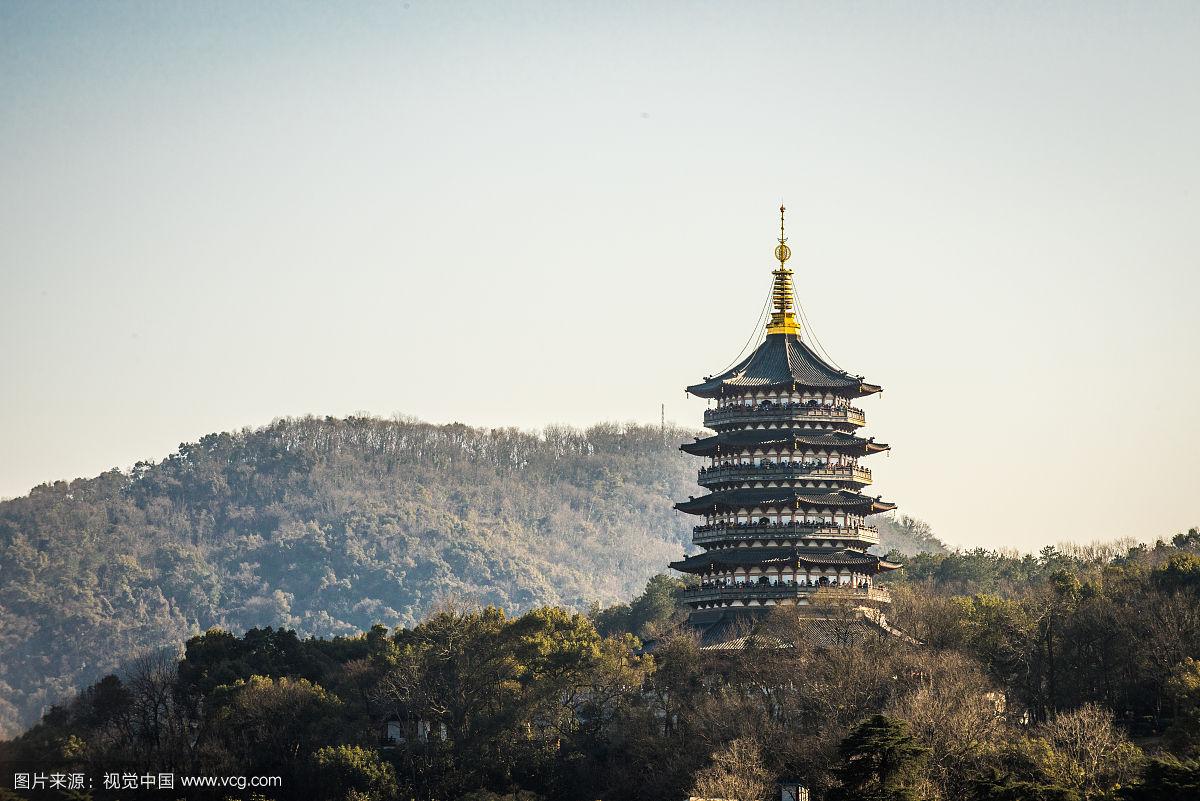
pixel 215 214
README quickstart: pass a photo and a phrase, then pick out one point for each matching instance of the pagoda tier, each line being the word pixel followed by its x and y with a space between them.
pixel 722 479
pixel 729 559
pixel 782 441
pixel 785 517
pixel 771 501
pixel 786 408
pixel 749 578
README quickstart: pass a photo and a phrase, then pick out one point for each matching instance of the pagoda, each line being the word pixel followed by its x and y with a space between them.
pixel 785 518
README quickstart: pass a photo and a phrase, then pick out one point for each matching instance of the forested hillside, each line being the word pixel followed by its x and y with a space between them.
pixel 329 526
pixel 1073 675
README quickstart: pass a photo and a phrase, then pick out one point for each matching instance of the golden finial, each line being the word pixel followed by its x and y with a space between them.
pixel 783 294
pixel 782 252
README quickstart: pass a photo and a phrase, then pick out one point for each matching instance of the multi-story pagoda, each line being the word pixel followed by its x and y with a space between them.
pixel 785 518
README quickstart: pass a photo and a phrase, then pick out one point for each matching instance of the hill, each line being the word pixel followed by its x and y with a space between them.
pixel 328 526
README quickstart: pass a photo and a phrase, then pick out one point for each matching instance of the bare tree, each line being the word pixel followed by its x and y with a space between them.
pixel 1099 756
pixel 955 712
pixel 161 726
pixel 736 772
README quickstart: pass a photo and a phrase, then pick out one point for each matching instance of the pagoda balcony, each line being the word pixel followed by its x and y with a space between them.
pixel 784 413
pixel 782 471
pixel 745 532
pixel 776 592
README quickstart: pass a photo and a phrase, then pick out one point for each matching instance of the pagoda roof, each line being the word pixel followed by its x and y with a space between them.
pixel 740 557
pixel 728 441
pixel 789 497
pixel 783 360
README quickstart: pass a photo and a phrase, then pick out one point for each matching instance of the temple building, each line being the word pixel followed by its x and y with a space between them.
pixel 785 517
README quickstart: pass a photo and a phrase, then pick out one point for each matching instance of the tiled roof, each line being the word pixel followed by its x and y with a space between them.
pixel 733 441
pixel 776 556
pixel 783 360
pixel 782 497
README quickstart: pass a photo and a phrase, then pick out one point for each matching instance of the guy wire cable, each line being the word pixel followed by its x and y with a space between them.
pixel 809 327
pixel 758 328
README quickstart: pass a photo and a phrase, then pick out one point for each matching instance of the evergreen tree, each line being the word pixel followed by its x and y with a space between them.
pixel 1166 779
pixel 880 762
pixel 998 786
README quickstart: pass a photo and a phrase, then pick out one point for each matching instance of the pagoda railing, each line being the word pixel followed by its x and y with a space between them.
pixel 727 532
pixel 775 471
pixel 761 592
pixel 785 411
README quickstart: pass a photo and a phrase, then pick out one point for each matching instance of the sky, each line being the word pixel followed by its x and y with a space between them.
pixel 516 214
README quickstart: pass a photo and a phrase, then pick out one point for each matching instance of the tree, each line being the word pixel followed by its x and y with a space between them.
pixel 998 786
pixel 1182 572
pixel 936 620
pixel 160 724
pixel 1184 689
pixel 646 616
pixel 656 606
pixel 1091 754
pixel 354 773
pixel 218 657
pixel 880 762
pixel 955 712
pixel 273 722
pixel 1166 779
pixel 488 795
pixel 1188 539
pixel 736 772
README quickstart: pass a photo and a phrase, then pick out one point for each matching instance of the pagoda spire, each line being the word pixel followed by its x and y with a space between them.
pixel 783 293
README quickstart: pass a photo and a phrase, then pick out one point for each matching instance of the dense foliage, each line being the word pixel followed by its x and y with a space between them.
pixel 327 527
pixel 1072 625
pixel 1075 677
